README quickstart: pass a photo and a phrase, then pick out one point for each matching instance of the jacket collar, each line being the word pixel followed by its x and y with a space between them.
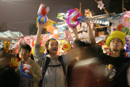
pixel 86 62
pixel 48 55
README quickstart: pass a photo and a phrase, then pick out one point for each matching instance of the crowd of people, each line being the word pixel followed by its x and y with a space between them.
pixel 83 66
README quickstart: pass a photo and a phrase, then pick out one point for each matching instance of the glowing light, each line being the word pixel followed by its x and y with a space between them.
pixel 55 31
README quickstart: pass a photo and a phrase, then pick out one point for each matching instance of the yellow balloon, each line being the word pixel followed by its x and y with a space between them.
pixel 66 47
pixel 14 61
pixel 41 50
pixel 33 51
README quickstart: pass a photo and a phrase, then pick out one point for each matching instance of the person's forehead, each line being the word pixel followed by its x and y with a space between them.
pixel 52 41
pixel 115 39
pixel 23 49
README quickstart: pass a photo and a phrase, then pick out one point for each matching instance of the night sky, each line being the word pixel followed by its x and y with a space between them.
pixel 18 14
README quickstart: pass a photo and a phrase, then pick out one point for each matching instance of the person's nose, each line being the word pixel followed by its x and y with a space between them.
pixel 23 52
pixel 115 41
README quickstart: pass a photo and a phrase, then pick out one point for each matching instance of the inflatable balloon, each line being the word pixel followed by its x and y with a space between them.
pixel 66 47
pixel 73 15
pixel 41 50
pixel 42 19
pixel 42 11
pixel 23 72
pixel 126 19
pixel 14 62
pixel 26 67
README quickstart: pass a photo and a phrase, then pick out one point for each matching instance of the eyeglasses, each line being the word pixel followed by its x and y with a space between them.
pixel 117 40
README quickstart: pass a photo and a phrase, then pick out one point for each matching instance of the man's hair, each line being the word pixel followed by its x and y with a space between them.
pixel 47 43
pixel 26 47
pixel 90 50
pixel 79 43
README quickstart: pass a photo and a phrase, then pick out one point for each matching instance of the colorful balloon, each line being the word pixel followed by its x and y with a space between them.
pixel 26 67
pixel 66 47
pixel 126 19
pixel 73 16
pixel 13 62
pixel 23 72
pixel 42 19
pixel 42 11
pixel 41 50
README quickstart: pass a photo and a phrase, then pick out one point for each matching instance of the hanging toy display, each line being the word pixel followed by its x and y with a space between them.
pixel 24 69
pixel 73 15
pixel 42 11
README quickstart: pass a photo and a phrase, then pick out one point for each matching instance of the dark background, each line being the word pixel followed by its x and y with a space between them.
pixel 20 15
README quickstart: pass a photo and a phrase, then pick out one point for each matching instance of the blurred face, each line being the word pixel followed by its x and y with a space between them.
pixel 53 47
pixel 116 44
pixel 24 54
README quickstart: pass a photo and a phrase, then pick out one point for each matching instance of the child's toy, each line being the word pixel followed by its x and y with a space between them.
pixel 73 15
pixel 13 62
pixel 126 19
pixel 66 47
pixel 42 11
pixel 26 67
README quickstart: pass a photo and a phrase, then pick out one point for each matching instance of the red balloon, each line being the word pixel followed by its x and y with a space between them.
pixel 44 11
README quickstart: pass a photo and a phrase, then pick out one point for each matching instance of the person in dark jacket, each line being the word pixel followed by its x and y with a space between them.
pixel 8 77
pixel 87 71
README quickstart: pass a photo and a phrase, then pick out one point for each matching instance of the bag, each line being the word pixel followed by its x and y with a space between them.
pixel 47 65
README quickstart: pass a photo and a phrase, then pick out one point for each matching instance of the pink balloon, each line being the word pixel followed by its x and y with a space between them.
pixel 69 18
pixel 126 19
